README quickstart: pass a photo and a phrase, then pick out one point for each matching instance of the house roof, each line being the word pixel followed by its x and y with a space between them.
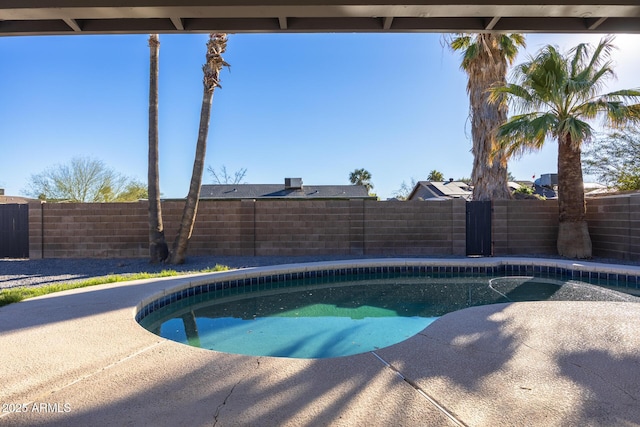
pixel 281 191
pixel 7 200
pixel 514 185
pixel 430 190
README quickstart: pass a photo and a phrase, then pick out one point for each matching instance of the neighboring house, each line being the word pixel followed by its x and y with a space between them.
pixel 547 186
pixel 292 189
pixel 538 190
pixel 7 200
pixel 592 189
pixel 435 190
pixel 516 185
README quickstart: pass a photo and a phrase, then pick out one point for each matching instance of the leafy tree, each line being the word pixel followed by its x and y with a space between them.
pixel 222 177
pixel 556 95
pixel 615 160
pixel 361 177
pixel 158 248
pixel 83 180
pixel 525 192
pixel 435 175
pixel 485 58
pixel 134 190
pixel 216 46
pixel 405 190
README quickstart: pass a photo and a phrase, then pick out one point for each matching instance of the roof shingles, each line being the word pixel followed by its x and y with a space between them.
pixel 279 191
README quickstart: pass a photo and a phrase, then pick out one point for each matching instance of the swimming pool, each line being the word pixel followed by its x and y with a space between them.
pixel 321 313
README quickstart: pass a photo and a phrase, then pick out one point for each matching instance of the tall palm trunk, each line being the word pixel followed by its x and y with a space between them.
pixel 215 48
pixel 158 249
pixel 573 232
pixel 489 175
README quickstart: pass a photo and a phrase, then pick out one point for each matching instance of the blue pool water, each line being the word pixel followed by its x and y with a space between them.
pixel 300 337
pixel 317 318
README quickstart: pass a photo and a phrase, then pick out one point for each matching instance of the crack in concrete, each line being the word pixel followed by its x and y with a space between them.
pixel 450 415
pixel 228 396
pixel 605 380
pixel 90 374
pixel 224 402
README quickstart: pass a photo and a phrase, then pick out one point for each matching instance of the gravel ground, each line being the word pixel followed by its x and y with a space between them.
pixel 24 272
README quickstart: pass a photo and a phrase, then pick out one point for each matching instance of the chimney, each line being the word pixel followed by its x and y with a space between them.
pixel 293 183
pixel 1 191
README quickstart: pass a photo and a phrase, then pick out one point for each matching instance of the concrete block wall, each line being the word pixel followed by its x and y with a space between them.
pixel 89 230
pixel 35 230
pixel 327 227
pixel 220 228
pixel 614 226
pixel 525 227
pixel 415 228
pixel 248 228
pixel 314 227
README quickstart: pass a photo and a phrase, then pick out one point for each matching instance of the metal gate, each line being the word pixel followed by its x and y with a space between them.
pixel 479 228
pixel 14 231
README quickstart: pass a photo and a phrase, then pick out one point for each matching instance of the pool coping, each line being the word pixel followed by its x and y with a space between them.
pixel 551 363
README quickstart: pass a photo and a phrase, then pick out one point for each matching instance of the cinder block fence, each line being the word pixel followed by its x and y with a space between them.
pixel 614 224
pixel 253 228
pixel 326 227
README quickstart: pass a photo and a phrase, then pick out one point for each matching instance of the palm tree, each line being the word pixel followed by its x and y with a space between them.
pixel 557 95
pixel 216 46
pixel 361 177
pixel 158 249
pixel 435 175
pixel 485 58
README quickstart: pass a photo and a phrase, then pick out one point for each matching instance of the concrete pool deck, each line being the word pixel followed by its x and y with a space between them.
pixel 79 358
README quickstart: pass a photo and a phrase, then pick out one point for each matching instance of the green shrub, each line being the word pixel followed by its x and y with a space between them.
pixel 523 190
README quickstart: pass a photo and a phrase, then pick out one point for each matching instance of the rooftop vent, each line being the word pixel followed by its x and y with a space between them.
pixel 293 183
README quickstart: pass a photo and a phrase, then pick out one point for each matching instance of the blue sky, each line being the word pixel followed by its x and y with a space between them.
pixel 315 106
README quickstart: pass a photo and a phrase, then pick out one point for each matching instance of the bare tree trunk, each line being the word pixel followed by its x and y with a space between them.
pixel 489 175
pixel 573 233
pixel 211 69
pixel 179 249
pixel 158 249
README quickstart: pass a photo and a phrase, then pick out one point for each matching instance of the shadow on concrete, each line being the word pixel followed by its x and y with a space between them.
pixel 466 359
pixel 510 362
pixel 478 346
pixel 487 365
pixel 222 390
pixel 72 305
pixel 612 382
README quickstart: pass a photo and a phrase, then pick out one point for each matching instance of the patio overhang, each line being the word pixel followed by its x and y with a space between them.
pixel 49 17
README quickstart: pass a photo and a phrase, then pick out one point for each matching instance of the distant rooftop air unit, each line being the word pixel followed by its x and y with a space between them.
pixel 293 183
pixel 549 179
